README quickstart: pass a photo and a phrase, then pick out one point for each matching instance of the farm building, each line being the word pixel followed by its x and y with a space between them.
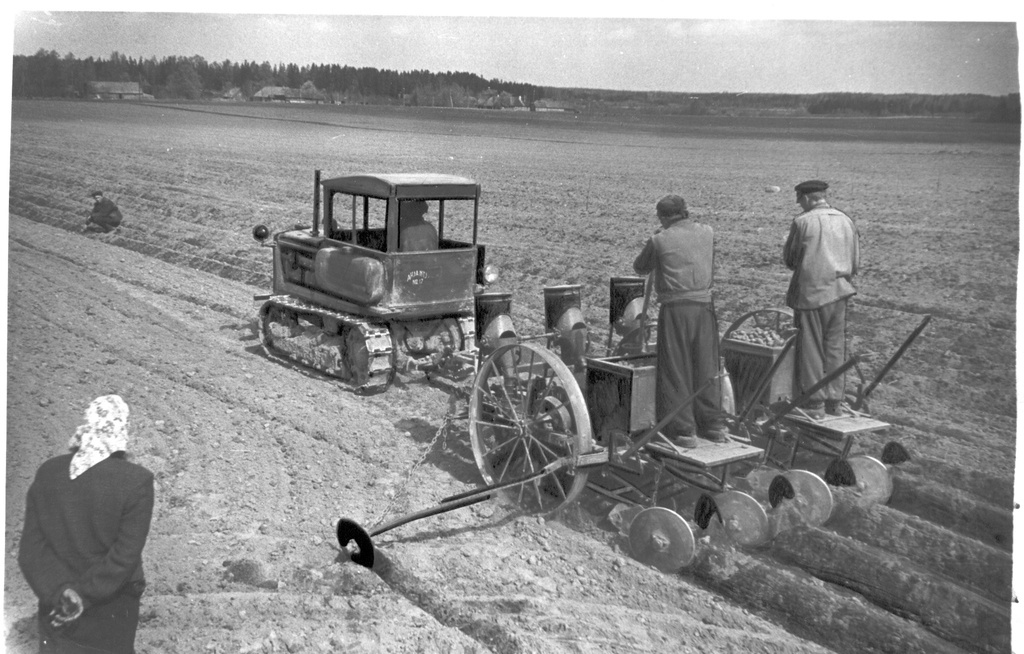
pixel 491 99
pixel 276 94
pixel 113 90
pixel 233 93
pixel 287 94
pixel 552 105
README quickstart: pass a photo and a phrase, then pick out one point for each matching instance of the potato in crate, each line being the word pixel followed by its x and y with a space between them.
pixel 751 346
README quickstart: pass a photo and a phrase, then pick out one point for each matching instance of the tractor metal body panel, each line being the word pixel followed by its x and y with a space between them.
pixel 369 282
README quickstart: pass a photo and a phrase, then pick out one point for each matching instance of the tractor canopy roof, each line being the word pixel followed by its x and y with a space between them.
pixel 421 186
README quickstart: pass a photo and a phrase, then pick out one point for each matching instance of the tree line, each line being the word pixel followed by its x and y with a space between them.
pixel 51 75
pixel 48 74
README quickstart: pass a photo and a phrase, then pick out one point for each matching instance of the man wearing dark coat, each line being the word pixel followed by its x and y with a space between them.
pixel 87 516
pixel 105 216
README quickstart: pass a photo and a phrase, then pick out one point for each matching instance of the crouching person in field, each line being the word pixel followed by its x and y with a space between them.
pixel 105 216
pixel 87 516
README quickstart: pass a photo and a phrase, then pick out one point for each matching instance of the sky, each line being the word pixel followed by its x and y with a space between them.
pixel 875 52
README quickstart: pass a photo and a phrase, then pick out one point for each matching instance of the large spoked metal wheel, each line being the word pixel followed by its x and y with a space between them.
pixel 527 412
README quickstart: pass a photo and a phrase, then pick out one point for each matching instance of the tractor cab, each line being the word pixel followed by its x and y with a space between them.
pixel 386 245
pixel 402 212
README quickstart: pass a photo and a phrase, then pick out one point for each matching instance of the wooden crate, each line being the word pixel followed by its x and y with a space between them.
pixel 747 363
pixel 620 393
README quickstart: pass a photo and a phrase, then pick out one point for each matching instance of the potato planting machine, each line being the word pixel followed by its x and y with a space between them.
pixel 544 427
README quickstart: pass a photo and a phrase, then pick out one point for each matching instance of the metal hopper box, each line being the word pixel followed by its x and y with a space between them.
pixel 620 393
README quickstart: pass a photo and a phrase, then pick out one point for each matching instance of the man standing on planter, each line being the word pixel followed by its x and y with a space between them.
pixel 823 251
pixel 681 255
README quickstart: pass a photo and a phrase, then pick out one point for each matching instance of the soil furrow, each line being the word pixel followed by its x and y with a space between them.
pixel 255 461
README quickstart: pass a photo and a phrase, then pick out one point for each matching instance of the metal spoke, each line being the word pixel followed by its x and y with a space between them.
pixel 500 446
pixel 556 478
pixel 508 461
pixel 531 385
pixel 542 445
pixel 504 390
pixel 536 489
pixel 537 418
pixel 495 425
pixel 540 405
pixel 527 469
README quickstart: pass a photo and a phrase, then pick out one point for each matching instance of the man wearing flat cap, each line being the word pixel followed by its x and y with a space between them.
pixel 681 257
pixel 105 216
pixel 823 251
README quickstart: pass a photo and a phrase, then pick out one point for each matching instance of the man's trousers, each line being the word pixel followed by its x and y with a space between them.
pixel 821 348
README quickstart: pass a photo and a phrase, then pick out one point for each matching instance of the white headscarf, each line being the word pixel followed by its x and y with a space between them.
pixel 105 432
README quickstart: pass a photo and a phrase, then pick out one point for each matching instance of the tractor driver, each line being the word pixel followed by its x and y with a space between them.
pixel 681 257
pixel 414 232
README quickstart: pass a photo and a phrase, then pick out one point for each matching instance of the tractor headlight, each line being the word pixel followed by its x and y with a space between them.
pixel 260 233
pixel 490 274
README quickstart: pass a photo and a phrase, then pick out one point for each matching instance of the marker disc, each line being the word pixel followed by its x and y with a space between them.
pixel 660 537
pixel 873 479
pixel 744 518
pixel 812 496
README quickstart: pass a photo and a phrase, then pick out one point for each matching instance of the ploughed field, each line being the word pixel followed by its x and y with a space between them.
pixel 256 461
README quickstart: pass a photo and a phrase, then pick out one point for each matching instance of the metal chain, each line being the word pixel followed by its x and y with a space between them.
pixel 440 435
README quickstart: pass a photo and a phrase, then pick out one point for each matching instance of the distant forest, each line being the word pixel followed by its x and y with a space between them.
pixel 47 74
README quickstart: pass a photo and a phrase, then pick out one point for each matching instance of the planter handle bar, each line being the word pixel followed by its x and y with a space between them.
pixel 827 379
pixel 863 395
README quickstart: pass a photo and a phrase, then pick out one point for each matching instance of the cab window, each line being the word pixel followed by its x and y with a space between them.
pixel 370 225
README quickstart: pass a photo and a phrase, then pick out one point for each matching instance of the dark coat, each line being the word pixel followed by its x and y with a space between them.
pixel 87 533
pixel 106 213
pixel 682 256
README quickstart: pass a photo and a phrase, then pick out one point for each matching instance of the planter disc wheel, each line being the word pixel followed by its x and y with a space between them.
pixel 744 518
pixel 526 411
pixel 660 537
pixel 873 479
pixel 813 498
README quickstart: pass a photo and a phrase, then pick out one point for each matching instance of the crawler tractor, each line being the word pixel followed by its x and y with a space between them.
pixel 355 298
